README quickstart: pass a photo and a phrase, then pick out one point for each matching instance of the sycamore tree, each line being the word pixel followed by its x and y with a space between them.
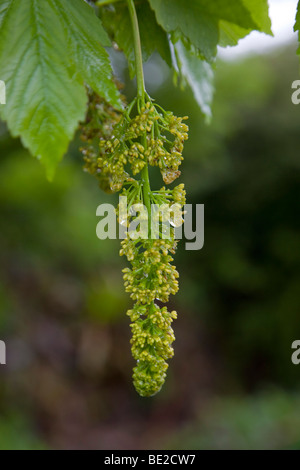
pixel 55 62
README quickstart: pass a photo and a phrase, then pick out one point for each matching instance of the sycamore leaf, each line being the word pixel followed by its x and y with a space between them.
pixel 198 74
pixel 198 26
pixel 84 34
pixel 47 51
pixel 297 25
pixel 198 20
pixel 230 33
pixel 153 37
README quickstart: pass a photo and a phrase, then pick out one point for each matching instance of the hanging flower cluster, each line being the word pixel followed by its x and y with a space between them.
pixel 116 152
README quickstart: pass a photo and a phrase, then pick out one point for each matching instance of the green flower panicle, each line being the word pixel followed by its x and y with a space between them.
pixel 152 336
pixel 117 148
pixel 151 278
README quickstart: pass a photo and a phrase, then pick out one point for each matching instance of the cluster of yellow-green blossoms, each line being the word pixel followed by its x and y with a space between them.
pixel 179 194
pixel 151 278
pixel 101 120
pixel 154 136
pixel 152 275
pixel 152 336
pixel 166 154
pixel 117 147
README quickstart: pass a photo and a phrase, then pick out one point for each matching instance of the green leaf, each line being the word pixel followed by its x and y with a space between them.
pixel 230 34
pixel 47 51
pixel 153 37
pixel 198 74
pixel 84 34
pixel 199 20
pixel 259 10
pixel 297 25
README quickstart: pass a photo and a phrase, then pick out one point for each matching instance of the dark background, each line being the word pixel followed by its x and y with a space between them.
pixel 67 383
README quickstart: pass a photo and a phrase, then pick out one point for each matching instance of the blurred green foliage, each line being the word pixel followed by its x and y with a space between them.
pixel 62 302
pixel 16 435
pixel 270 420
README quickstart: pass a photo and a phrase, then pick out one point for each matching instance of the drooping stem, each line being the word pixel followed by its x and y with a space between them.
pixel 141 95
pixel 137 51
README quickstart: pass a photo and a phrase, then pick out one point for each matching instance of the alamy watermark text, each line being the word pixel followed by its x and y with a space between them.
pixel 137 223
pixel 2 353
pixel 2 92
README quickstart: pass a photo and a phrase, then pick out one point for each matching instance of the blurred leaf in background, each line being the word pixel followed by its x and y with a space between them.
pixel 15 435
pixel 270 420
